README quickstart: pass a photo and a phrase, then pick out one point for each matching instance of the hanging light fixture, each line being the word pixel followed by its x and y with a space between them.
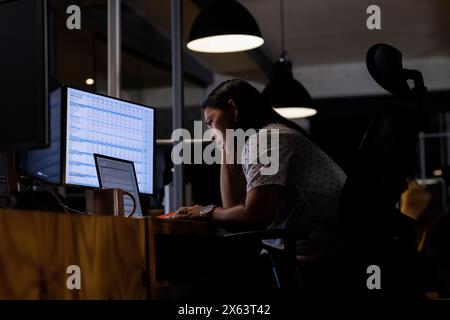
pixel 224 26
pixel 288 97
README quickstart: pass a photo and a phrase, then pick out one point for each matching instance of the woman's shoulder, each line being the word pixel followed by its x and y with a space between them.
pixel 270 131
pixel 283 134
pixel 275 125
pixel 283 130
pixel 280 126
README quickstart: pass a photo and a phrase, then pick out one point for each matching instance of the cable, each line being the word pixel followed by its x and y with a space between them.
pixel 282 26
pixel 66 208
pixel 28 188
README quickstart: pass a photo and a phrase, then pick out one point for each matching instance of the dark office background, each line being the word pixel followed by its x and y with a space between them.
pixel 342 116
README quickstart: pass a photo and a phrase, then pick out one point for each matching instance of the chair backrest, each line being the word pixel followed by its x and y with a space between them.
pixel 385 158
pixel 387 152
pixel 374 231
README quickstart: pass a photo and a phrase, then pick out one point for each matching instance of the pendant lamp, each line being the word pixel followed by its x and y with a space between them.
pixel 287 95
pixel 224 26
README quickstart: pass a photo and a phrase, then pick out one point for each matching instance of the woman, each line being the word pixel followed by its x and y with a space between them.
pixel 302 194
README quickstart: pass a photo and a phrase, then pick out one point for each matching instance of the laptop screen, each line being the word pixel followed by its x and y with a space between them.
pixel 116 173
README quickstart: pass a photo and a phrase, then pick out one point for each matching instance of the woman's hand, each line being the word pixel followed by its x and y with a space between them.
pixel 189 213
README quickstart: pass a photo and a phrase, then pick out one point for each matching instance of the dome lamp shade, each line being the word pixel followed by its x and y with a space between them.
pixel 224 26
pixel 288 96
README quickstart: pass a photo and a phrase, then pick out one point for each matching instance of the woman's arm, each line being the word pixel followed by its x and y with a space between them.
pixel 258 211
pixel 231 188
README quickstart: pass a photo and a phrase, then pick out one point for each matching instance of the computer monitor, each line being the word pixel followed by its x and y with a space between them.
pixel 85 123
pixel 45 164
pixel 108 126
pixel 24 75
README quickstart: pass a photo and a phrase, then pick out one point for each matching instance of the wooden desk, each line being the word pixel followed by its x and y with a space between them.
pixel 119 258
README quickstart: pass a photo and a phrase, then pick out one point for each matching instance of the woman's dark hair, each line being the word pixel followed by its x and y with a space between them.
pixel 253 109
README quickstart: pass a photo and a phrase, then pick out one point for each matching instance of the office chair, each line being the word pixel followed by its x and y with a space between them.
pixel 374 231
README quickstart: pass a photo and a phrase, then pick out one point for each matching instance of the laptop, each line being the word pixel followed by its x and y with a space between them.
pixel 115 173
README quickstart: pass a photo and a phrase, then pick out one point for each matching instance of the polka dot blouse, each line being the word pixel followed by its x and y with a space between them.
pixel 280 155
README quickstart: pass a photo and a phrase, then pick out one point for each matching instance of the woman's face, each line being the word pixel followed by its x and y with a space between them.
pixel 219 121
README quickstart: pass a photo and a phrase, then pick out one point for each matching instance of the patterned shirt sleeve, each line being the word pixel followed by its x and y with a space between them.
pixel 266 162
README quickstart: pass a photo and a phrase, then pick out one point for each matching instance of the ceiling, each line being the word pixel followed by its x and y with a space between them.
pixel 158 13
pixel 322 32
pixel 325 32
pixel 329 31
